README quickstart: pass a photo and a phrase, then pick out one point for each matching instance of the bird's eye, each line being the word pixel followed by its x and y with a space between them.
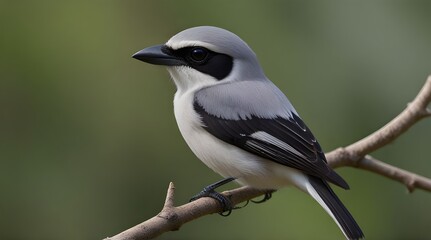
pixel 198 54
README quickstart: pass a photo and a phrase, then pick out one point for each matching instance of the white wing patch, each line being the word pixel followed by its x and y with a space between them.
pixel 264 136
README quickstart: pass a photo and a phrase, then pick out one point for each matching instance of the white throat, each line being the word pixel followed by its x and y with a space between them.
pixel 188 79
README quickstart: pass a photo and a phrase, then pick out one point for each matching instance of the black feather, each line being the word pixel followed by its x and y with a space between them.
pixel 341 214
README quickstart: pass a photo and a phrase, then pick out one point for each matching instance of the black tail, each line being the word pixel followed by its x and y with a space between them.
pixel 333 204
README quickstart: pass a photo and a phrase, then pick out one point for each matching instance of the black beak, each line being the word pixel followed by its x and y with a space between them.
pixel 158 55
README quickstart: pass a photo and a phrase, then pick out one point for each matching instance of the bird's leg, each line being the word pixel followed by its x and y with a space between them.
pixel 209 191
pixel 266 197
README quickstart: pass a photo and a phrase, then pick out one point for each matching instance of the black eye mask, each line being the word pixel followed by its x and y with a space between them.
pixel 218 65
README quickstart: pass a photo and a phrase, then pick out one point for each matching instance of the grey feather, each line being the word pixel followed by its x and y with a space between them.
pixel 222 41
pixel 244 99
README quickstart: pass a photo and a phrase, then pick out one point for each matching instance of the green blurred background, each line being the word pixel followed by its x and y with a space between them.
pixel 88 140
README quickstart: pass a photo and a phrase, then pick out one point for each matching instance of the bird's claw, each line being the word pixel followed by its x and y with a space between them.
pixel 209 191
pixel 225 203
pixel 266 197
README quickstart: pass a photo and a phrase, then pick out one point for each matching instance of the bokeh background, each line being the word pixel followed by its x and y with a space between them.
pixel 88 140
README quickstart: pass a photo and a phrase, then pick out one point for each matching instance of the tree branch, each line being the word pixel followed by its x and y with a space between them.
pixel 415 111
pixel 411 180
pixel 171 218
pixel 355 155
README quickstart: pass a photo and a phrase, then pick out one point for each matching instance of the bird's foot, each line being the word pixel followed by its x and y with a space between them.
pixel 225 203
pixel 266 197
pixel 209 191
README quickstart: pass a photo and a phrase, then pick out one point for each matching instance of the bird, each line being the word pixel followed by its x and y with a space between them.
pixel 240 124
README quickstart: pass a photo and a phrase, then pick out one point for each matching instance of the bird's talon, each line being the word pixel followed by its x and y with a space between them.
pixel 224 201
pixel 239 207
pixel 225 213
pixel 266 197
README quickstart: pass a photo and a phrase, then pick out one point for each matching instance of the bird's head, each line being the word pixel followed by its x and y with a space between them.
pixel 204 56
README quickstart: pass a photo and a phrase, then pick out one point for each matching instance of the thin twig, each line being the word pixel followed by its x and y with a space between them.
pixel 409 179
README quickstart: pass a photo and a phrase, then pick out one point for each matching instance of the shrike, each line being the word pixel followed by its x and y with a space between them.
pixel 237 122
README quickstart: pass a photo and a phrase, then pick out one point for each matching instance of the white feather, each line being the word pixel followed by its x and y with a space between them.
pixel 264 136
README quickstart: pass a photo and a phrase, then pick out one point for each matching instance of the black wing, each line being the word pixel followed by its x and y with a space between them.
pixel 285 141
